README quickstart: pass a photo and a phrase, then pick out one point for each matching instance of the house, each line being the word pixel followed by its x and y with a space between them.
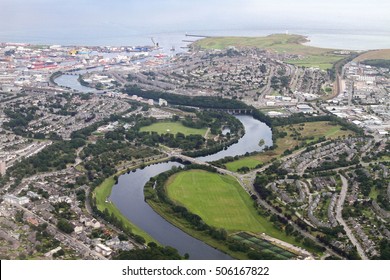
pixel 303 108
pixel 103 249
pixel 162 102
pixel 78 229
pixel 33 221
pixel 11 199
pixel 52 252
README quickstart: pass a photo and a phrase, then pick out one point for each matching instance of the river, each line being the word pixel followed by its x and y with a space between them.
pixel 128 195
pixel 71 81
pixel 254 131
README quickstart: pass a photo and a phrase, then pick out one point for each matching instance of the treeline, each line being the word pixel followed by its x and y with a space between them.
pixel 54 76
pixel 210 102
pixel 112 219
pixel 153 252
pixel 338 66
pixel 155 190
pixel 211 149
pixel 193 101
pixel 382 63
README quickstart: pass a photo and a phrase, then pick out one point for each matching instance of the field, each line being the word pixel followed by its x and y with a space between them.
pixel 292 44
pixel 263 246
pixel 377 54
pixel 248 161
pixel 173 128
pixel 323 62
pixel 220 201
pixel 312 130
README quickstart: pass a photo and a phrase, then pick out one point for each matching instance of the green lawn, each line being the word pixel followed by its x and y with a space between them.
pixel 374 193
pixel 293 44
pixel 220 201
pixel 250 162
pixel 385 158
pixel 173 128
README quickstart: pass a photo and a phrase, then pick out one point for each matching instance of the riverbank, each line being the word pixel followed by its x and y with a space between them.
pixel 103 192
pixel 165 212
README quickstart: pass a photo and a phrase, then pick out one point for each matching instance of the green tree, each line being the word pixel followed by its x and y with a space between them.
pixel 65 226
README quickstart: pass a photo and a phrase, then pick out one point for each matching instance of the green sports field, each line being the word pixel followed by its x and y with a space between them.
pixel 220 201
pixel 173 128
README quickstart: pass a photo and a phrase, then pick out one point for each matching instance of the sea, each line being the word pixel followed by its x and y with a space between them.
pixel 362 26
pixel 178 39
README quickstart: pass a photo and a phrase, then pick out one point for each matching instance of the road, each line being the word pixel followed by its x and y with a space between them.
pixel 339 218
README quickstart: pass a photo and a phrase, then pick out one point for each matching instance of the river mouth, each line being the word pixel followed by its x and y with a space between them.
pixel 128 195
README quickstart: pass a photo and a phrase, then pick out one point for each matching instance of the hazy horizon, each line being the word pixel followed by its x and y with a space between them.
pixel 103 22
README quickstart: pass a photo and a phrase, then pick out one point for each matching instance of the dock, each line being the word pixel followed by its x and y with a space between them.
pixel 196 35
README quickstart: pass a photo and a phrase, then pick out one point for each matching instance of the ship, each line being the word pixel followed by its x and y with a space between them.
pixel 160 55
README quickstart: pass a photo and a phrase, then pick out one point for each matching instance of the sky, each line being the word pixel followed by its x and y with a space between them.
pixel 47 18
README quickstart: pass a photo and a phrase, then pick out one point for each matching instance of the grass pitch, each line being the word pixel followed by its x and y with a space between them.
pixel 220 201
pixel 173 128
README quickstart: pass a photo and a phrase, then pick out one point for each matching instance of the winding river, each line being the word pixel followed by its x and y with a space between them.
pixel 128 195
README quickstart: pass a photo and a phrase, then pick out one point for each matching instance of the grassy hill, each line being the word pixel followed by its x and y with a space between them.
pixel 280 43
pixel 375 54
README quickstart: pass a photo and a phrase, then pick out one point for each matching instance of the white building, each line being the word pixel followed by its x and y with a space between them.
pixel 304 108
pixel 103 249
pixel 52 252
pixel 11 199
pixel 78 229
pixel 162 102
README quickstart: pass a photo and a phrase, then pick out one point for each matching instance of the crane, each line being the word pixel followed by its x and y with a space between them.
pixel 154 43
